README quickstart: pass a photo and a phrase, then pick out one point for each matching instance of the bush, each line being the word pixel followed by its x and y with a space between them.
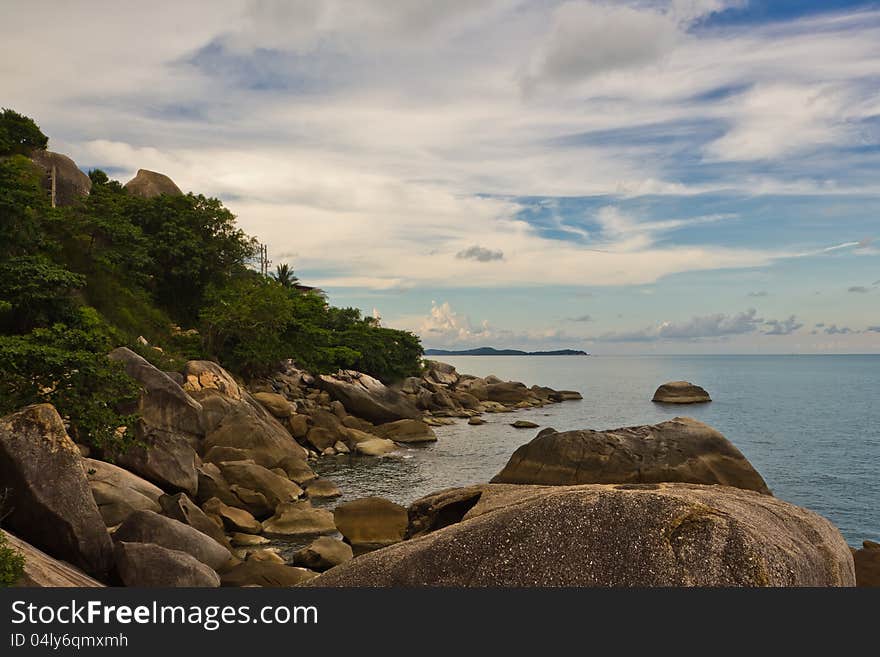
pixel 19 134
pixel 11 563
pixel 67 366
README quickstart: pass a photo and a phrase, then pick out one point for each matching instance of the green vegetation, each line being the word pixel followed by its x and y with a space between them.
pixel 11 563
pixel 77 281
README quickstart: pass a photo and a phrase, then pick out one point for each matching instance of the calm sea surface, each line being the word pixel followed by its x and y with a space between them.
pixel 809 424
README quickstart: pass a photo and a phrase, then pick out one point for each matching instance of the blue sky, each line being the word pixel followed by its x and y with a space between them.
pixel 630 177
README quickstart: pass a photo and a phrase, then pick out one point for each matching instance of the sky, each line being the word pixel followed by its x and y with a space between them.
pixel 692 176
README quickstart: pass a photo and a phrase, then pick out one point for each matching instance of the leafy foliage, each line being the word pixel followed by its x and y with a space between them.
pixel 284 275
pixel 11 563
pixel 67 366
pixel 19 135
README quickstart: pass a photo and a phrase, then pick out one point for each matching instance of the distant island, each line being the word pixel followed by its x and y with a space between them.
pixel 491 351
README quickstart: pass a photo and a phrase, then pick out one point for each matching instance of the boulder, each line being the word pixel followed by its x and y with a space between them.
pixel 322 488
pixel 299 519
pixel 441 373
pixel 476 421
pixel 276 404
pixel 679 450
pixel 151 565
pixel 150 527
pixel 371 522
pixel 118 492
pixel 867 562
pixel 298 425
pixel 234 520
pixel 148 184
pixel 267 443
pixel 566 395
pixel 219 454
pixel 322 554
pixel 321 438
pixel 163 403
pixel 257 478
pixel 70 182
pixel 212 483
pixel 181 508
pixel 49 500
pixel 264 573
pixel 297 469
pixel 507 393
pixel 406 431
pixel 614 535
pixel 41 570
pixel 368 398
pixel 524 424
pixel 681 392
pixel 252 501
pixel 375 447
pixel 270 555
pixel 166 458
pixel 239 539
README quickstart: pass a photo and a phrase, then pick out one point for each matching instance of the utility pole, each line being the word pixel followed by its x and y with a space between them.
pixel 53 174
pixel 264 260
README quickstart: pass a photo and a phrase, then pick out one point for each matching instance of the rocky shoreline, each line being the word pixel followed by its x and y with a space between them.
pixel 223 474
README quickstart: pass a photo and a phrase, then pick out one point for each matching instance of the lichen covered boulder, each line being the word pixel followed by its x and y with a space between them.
pixel 614 535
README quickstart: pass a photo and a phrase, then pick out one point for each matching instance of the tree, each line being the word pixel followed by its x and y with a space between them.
pixel 19 135
pixel 284 275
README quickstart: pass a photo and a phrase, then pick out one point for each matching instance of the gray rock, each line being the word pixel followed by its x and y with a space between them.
pixel 367 397
pixel 681 450
pixel 118 492
pixel 322 554
pixel 148 184
pixel 70 182
pixel 49 500
pixel 181 508
pixel 151 565
pixel 680 392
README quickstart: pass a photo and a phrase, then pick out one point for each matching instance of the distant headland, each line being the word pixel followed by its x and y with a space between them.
pixel 492 351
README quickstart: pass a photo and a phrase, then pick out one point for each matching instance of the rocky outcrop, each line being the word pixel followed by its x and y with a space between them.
pixel 148 184
pixel 50 502
pixel 151 565
pixel 234 520
pixel 247 474
pixel 867 561
pixel 150 527
pixel 322 554
pixel 367 397
pixel 163 457
pixel 370 523
pixel 119 493
pixel 41 570
pixel 680 450
pixel 264 573
pixel 680 392
pixel 70 182
pixel 614 535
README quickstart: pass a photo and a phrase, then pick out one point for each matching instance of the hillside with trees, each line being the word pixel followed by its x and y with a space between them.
pixel 79 280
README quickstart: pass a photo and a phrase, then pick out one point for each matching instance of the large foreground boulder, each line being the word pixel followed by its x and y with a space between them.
pixel 41 570
pixel 118 492
pixel 150 527
pixel 148 184
pixel 151 565
pixel 614 535
pixel 49 500
pixel 70 182
pixel 368 398
pixel 680 450
pixel 681 392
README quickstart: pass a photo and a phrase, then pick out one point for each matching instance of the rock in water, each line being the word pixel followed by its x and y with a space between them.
pixel 70 182
pixel 299 519
pixel 151 565
pixel 680 450
pixel 41 570
pixel 264 573
pixel 148 184
pixel 524 424
pixel 371 522
pixel 50 503
pixel 606 535
pixel 406 431
pixel 368 398
pixel 681 392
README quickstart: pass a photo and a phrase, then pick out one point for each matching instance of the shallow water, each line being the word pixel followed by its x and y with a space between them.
pixel 809 424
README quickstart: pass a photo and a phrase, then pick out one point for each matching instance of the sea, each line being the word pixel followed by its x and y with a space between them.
pixel 810 424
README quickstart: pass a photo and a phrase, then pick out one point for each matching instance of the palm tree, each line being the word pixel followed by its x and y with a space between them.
pixel 284 276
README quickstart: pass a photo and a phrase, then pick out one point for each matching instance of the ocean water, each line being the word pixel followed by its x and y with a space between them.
pixel 809 424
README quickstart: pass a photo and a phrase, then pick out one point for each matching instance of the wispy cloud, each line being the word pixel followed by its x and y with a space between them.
pixel 480 254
